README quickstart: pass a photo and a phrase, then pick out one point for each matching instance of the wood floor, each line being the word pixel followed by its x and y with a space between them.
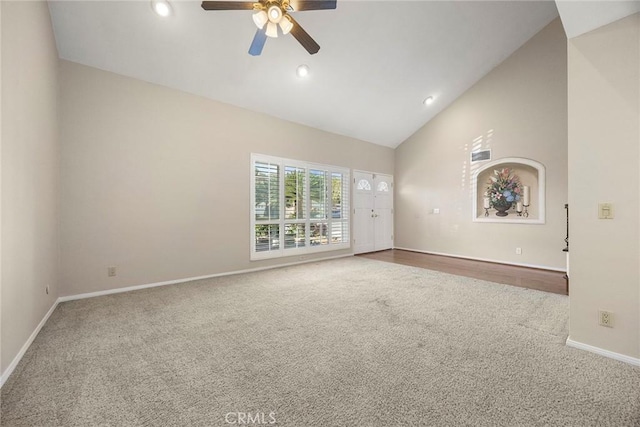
pixel 524 277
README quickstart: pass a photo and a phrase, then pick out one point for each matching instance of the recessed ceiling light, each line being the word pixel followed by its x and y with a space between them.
pixel 161 7
pixel 428 100
pixel 302 70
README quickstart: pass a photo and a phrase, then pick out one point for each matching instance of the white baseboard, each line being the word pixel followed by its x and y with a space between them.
pixel 541 267
pixel 602 352
pixel 7 372
pixel 190 279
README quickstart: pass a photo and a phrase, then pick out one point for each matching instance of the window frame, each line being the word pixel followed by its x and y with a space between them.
pixel 282 221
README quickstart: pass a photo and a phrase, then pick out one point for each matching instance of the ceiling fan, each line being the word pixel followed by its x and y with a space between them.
pixel 269 14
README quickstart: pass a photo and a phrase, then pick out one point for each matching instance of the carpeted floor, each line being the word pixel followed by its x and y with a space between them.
pixel 349 342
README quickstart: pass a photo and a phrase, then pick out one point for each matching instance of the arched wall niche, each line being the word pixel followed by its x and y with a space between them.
pixel 531 174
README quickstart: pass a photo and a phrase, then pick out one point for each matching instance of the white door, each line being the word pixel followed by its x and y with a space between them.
pixel 373 212
pixel 383 215
pixel 363 212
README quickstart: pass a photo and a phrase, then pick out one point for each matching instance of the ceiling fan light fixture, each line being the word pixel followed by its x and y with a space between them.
pixel 272 30
pixel 260 18
pixel 161 8
pixel 275 14
pixel 285 25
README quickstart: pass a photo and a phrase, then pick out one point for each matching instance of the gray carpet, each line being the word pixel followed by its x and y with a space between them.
pixel 349 342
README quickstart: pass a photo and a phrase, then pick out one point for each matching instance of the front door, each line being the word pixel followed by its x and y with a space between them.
pixel 373 212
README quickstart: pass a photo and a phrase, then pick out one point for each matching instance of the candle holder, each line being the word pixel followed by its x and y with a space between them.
pixel 486 211
pixel 526 212
pixel 519 212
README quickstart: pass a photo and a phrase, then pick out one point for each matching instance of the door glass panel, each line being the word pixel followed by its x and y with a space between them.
pixel 363 184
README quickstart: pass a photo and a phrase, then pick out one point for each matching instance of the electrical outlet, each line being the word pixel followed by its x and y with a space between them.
pixel 518 251
pixel 606 318
pixel 111 271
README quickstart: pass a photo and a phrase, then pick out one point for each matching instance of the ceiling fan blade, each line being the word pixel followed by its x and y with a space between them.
pixel 303 37
pixel 298 5
pixel 258 41
pixel 228 5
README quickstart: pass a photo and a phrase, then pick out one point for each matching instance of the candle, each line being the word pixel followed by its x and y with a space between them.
pixel 486 203
pixel 525 195
pixel 519 207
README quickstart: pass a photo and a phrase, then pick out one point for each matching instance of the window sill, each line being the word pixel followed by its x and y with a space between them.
pixel 285 253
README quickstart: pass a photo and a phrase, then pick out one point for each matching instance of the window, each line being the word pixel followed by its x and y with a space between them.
pixel 383 187
pixel 363 184
pixel 267 206
pixel 297 207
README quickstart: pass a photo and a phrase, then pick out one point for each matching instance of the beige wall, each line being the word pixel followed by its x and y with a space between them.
pixel 156 181
pixel 604 159
pixel 518 110
pixel 1 365
pixel 30 170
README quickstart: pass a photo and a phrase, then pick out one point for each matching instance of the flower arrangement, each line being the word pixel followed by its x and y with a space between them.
pixel 503 188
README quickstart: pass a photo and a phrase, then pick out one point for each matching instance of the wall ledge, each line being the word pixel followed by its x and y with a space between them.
pixel 602 352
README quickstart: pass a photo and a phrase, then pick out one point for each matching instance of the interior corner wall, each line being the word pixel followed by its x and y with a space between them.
pixel 519 109
pixel 30 171
pixel 604 164
pixel 156 182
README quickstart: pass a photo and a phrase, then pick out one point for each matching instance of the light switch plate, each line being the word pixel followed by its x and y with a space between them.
pixel 605 211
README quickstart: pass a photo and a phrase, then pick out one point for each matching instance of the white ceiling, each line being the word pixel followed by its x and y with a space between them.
pixel 378 60
pixel 579 17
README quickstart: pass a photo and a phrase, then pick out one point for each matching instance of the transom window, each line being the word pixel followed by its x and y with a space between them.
pixel 297 207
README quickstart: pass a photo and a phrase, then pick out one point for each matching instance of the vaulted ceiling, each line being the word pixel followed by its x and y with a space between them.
pixel 378 59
